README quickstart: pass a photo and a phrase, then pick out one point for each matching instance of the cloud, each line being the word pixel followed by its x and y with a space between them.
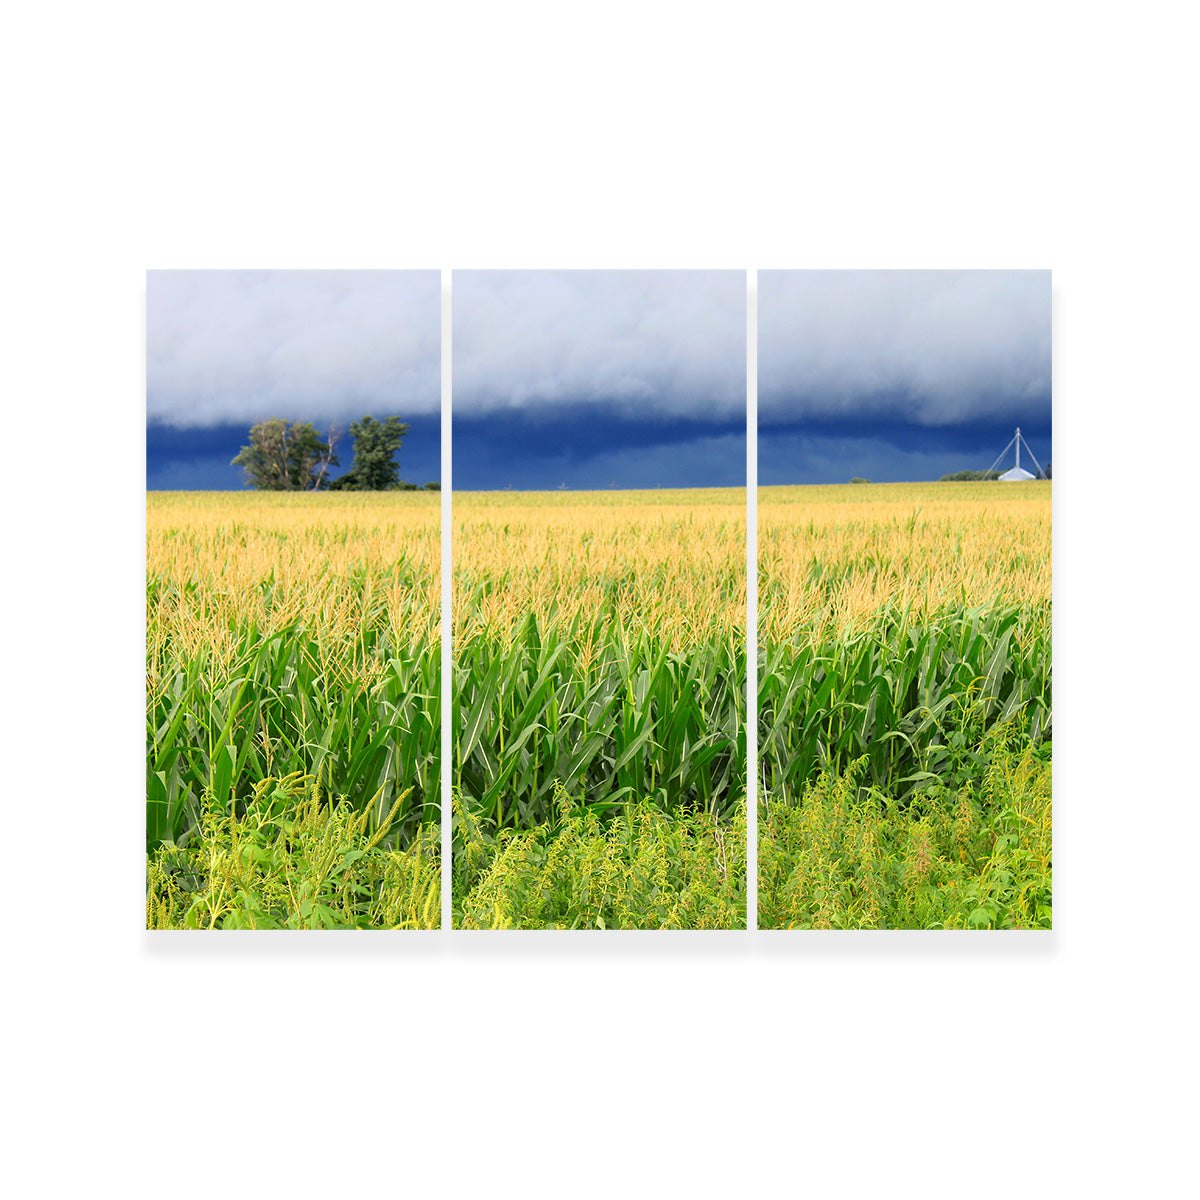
pixel 646 344
pixel 240 346
pixel 786 459
pixel 886 454
pixel 704 462
pixel 930 347
pixel 716 461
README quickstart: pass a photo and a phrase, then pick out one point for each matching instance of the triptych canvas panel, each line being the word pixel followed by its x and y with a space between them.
pixel 730 649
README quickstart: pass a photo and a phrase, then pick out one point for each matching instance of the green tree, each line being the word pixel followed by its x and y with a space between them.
pixel 970 477
pixel 374 468
pixel 287 456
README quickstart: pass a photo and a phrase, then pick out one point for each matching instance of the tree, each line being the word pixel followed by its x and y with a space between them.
pixel 970 477
pixel 287 456
pixel 374 469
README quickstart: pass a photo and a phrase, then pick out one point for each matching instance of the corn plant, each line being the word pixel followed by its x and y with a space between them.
pixel 598 649
pixel 830 559
pixel 292 634
pixel 905 706
pixel 906 696
pixel 623 719
pixel 272 711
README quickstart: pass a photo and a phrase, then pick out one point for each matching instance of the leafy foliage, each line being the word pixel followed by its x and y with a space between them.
pixel 286 457
pixel 286 639
pixel 975 855
pixel 616 717
pixel 374 468
pixel 644 869
pixel 597 650
pixel 294 858
pixel 273 709
pixel 904 696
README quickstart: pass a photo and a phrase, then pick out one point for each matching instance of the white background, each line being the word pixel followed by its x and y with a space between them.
pixel 630 135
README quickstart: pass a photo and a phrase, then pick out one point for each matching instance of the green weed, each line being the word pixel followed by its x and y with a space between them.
pixel 977 855
pixel 643 869
pixel 294 857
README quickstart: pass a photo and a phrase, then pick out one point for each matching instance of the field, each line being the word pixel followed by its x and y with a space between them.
pixel 293 710
pixel 599 691
pixel 905 706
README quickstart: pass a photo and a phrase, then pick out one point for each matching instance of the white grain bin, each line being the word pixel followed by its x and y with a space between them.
pixel 1017 474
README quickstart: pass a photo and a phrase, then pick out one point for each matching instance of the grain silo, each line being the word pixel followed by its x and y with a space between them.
pixel 1017 474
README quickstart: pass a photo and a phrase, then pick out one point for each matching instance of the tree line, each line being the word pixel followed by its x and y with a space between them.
pixel 292 456
pixel 983 476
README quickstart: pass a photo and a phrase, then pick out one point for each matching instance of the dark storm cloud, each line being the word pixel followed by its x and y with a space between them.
pixel 645 345
pixel 927 347
pixel 585 447
pixel 836 451
pixel 235 347
pixel 596 379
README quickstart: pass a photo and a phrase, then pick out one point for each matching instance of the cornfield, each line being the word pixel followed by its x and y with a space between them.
pixel 899 627
pixel 293 708
pixel 292 637
pixel 598 654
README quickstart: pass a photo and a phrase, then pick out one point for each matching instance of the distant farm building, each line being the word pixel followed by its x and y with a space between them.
pixel 1017 473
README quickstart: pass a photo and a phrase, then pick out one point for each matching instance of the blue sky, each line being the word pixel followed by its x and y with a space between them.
pixel 899 375
pixel 599 379
pixel 226 349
